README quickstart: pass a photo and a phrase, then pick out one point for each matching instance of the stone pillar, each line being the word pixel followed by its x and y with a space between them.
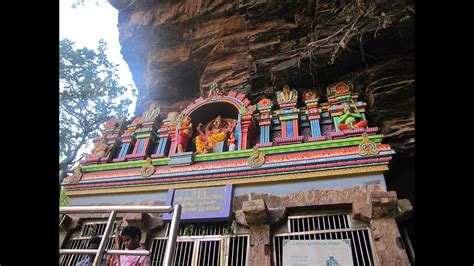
pixel 388 243
pixel 289 116
pixel 265 116
pixel 68 224
pixel 256 215
pixel 128 140
pixel 247 131
pixel 112 132
pixel 145 136
pixel 65 221
pixel 260 248
pixel 164 142
pixel 173 137
pixel 314 116
pixel 380 209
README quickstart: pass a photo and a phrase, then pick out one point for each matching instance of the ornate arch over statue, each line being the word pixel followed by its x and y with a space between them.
pixel 235 115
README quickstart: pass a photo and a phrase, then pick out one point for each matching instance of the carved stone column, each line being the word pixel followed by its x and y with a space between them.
pixel 260 249
pixel 173 137
pixel 247 131
pixel 256 215
pixel 388 243
pixel 380 209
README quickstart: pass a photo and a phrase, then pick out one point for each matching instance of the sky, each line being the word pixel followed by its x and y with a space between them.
pixel 89 23
pixel 86 25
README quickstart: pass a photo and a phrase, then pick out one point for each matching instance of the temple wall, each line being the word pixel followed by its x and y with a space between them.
pixel 259 214
pixel 117 198
pixel 275 188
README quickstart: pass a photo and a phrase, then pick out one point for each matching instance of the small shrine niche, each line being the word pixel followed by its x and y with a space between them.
pixel 288 114
pixel 165 134
pixel 265 116
pixel 215 124
pixel 107 145
pixel 346 111
pixel 313 112
pixel 140 136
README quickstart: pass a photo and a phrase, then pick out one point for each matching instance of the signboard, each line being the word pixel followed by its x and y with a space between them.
pixel 317 252
pixel 201 204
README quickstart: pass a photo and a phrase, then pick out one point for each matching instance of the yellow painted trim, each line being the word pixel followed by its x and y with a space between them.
pixel 246 180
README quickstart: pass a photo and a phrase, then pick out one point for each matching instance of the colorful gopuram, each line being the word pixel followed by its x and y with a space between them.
pixel 257 183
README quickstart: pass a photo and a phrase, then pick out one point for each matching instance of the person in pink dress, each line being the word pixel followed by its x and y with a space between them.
pixel 131 236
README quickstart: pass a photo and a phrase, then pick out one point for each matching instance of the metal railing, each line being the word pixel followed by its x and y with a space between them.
pixel 170 245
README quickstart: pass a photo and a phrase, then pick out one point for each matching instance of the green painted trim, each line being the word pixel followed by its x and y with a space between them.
pixel 123 165
pixel 286 117
pixel 327 144
pixel 336 122
pixel 278 174
pixel 222 155
pixel 142 136
pixel 243 176
pixel 288 148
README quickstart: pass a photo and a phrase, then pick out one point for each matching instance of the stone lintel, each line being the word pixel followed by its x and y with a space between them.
pixel 255 212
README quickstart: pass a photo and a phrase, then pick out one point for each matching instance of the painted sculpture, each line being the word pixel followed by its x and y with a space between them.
pixel 150 114
pixel 148 169
pixel 310 95
pixel 215 92
pixel 350 119
pixel 257 158
pixel 215 132
pixel 231 141
pixel 185 132
pixel 287 96
pixel 100 150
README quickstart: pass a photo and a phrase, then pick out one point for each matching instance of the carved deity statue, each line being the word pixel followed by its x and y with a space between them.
pixel 287 96
pixel 215 132
pixel 172 116
pixel 185 132
pixel 351 119
pixel 101 149
pixel 214 91
pixel 309 95
pixel 231 141
pixel 150 114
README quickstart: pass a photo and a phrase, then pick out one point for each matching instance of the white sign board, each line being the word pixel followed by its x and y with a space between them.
pixel 317 252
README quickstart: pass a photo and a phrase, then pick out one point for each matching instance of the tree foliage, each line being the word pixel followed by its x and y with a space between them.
pixel 90 94
pixel 63 198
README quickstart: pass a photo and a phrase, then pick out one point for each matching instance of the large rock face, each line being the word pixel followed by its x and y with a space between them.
pixel 176 49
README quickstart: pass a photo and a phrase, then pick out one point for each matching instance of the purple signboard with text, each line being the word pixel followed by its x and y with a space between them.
pixel 201 204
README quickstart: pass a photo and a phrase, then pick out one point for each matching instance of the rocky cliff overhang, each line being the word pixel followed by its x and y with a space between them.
pixel 176 49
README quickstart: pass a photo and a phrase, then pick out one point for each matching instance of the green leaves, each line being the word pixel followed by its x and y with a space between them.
pixel 63 198
pixel 90 93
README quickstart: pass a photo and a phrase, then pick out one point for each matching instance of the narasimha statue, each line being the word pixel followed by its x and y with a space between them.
pixel 215 132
